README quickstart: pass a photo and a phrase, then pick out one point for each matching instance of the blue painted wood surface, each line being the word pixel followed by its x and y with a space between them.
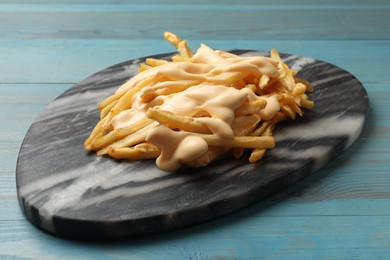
pixel 341 212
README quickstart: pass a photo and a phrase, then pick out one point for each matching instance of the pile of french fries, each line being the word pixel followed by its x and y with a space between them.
pixel 252 131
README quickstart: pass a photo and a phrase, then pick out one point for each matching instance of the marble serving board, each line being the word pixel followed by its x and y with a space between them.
pixel 69 192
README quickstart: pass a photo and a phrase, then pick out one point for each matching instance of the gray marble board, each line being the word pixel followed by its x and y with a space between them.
pixel 64 190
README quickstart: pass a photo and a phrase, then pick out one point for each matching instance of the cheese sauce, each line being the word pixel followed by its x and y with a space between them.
pixel 176 147
pixel 217 100
pixel 204 66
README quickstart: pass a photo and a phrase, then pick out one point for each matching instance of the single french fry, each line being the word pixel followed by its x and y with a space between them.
pixel 148 94
pixel 275 55
pixel 264 79
pixel 174 121
pixel 110 99
pixel 299 89
pixel 309 87
pixel 138 152
pixel 106 109
pixel 256 155
pixel 268 130
pixel 227 78
pixel 179 58
pixel 97 132
pixel 155 62
pixel 308 104
pixel 304 96
pixel 181 45
pixel 172 38
pixel 184 50
pixel 143 67
pixel 108 139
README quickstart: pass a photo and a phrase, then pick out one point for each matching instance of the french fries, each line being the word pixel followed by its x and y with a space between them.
pixel 184 123
pixel 138 152
pixel 209 98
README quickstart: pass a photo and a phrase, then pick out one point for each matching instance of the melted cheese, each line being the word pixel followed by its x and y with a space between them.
pixel 219 101
pixel 176 147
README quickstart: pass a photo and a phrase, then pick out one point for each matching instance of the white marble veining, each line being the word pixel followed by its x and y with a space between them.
pixel 332 126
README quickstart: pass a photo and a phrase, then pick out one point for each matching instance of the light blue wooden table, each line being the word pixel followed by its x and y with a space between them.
pixel 341 212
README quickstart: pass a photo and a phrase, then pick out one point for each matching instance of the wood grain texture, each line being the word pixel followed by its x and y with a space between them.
pixel 276 3
pixel 340 212
pixel 134 22
pixel 267 237
pixel 69 61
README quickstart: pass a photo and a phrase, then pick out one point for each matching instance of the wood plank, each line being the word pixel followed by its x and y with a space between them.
pixel 21 105
pixel 267 237
pixel 202 2
pixel 125 22
pixel 160 6
pixel 69 61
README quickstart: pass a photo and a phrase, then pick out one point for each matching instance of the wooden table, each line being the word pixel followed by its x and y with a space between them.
pixel 341 212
